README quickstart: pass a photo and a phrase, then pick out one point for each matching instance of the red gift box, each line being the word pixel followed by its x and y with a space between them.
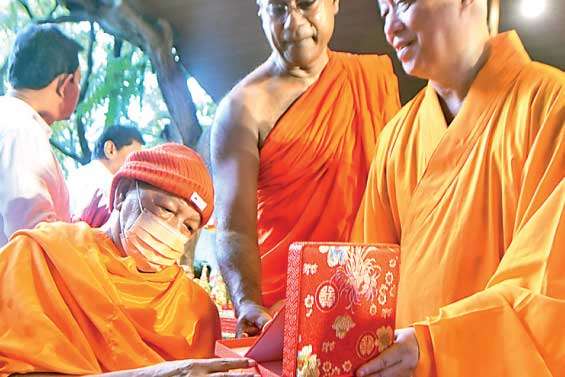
pixel 340 307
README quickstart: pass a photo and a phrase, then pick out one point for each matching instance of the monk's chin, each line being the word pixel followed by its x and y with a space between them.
pixel 302 56
pixel 411 69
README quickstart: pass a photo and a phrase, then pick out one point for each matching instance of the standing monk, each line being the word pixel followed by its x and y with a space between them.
pixel 291 150
pixel 469 179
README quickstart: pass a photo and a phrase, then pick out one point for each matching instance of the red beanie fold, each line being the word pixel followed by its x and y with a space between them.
pixel 174 168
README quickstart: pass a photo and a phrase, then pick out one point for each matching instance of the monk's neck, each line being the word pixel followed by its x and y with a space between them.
pixel 454 84
pixel 307 74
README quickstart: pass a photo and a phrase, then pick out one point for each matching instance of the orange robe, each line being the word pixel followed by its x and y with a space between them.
pixel 315 161
pixel 69 303
pixel 477 208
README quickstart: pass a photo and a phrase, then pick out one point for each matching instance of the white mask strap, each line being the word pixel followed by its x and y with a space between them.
pixel 138 196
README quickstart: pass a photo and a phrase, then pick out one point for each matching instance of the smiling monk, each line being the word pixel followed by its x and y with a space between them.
pixel 469 179
pixel 291 150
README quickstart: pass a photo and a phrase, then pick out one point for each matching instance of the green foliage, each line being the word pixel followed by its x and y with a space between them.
pixel 115 86
pixel 121 89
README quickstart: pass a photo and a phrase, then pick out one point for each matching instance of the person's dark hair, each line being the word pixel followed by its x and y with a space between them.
pixel 120 136
pixel 40 54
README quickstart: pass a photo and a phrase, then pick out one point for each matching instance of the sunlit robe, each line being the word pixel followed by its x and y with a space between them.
pixel 314 163
pixel 477 207
pixel 71 304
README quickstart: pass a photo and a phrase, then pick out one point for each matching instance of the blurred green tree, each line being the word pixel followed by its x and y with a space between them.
pixel 128 63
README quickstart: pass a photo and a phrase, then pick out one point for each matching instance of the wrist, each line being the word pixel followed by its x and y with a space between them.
pixel 246 302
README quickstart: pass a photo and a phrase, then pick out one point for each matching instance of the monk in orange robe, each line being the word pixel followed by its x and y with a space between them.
pixel 77 300
pixel 291 150
pixel 469 179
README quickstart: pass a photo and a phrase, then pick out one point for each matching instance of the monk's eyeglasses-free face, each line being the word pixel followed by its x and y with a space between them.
pixel 279 11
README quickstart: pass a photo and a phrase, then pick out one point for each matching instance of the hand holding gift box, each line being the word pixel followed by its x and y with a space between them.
pixel 339 312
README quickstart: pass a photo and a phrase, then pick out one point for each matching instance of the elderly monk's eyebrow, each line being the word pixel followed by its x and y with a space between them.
pixel 195 218
pixel 165 202
pixel 193 222
pixel 175 206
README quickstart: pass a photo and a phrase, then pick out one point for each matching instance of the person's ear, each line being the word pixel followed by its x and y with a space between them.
pixel 336 6
pixel 124 186
pixel 109 150
pixel 466 3
pixel 63 81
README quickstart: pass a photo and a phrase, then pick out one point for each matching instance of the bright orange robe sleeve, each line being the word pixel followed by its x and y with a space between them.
pixel 315 161
pixel 477 208
pixel 70 304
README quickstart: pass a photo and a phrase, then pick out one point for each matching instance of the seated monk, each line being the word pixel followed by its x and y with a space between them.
pixel 291 149
pixel 77 300
pixel 469 179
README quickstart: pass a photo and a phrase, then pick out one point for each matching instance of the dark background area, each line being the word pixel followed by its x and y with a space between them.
pixel 219 41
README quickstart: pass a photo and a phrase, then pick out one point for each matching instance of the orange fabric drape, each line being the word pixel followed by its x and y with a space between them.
pixel 70 304
pixel 314 164
pixel 477 207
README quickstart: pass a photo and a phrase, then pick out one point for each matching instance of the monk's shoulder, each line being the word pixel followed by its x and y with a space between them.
pixel 65 236
pixel 538 103
pixel 369 65
pixel 544 73
pixel 20 246
pixel 238 108
pixel 538 93
pixel 538 79
pixel 63 233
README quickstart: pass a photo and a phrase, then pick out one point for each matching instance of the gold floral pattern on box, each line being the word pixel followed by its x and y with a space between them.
pixel 343 298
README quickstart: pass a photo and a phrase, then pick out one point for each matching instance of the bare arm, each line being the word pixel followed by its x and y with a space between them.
pixel 235 165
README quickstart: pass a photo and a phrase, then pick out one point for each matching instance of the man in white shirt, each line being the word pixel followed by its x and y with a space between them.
pixel 110 152
pixel 44 77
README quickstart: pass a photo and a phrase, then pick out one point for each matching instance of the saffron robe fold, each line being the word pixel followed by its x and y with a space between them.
pixel 477 207
pixel 315 161
pixel 69 303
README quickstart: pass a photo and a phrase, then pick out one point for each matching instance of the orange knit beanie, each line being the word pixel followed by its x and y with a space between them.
pixel 173 168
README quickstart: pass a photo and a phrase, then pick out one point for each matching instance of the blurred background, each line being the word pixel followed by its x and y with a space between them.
pixel 214 43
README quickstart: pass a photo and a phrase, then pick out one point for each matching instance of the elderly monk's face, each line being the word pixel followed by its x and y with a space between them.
pixel 426 34
pixel 298 30
pixel 173 209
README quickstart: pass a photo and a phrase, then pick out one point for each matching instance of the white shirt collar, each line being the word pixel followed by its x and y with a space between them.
pixel 25 107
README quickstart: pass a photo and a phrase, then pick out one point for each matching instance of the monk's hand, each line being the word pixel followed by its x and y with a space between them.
pixel 399 360
pixel 251 319
pixel 219 368
pixel 229 367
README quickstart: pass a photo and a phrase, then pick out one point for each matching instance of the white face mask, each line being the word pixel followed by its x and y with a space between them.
pixel 152 242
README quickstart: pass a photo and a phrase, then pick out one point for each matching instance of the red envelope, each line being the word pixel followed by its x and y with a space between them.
pixel 340 307
pixel 266 349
